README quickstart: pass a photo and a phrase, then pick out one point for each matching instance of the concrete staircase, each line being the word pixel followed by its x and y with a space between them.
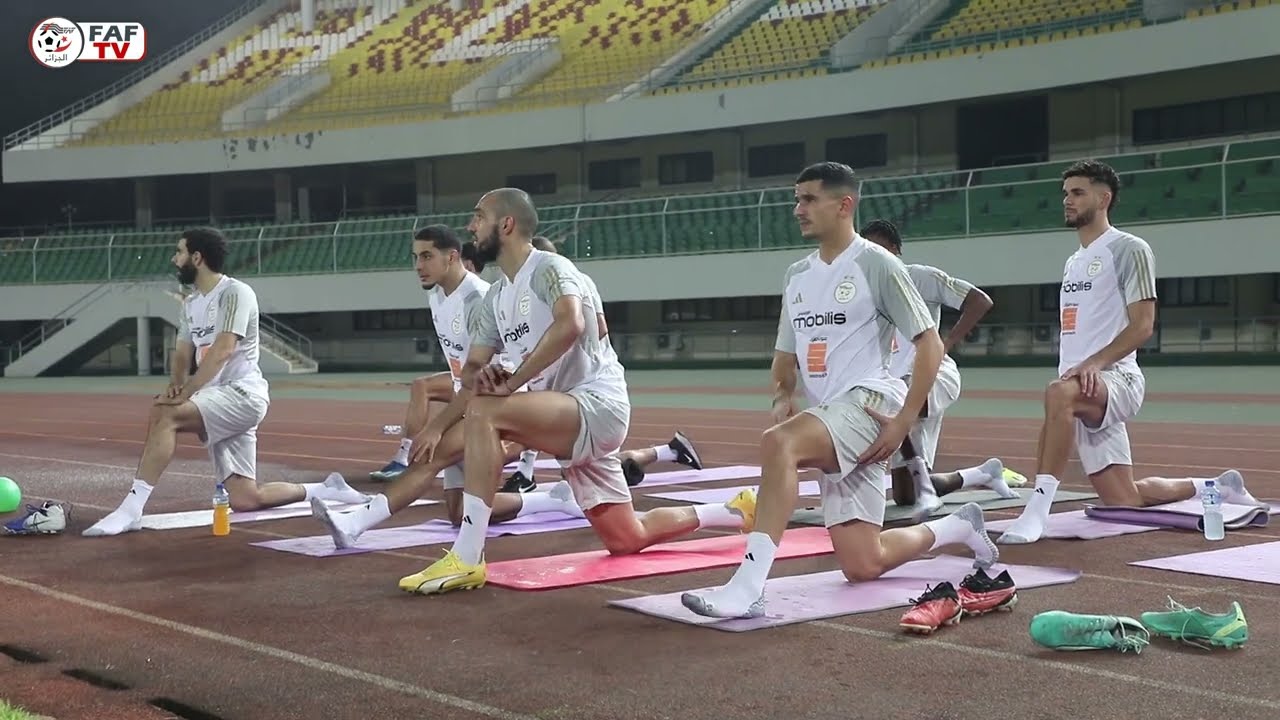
pixel 284 350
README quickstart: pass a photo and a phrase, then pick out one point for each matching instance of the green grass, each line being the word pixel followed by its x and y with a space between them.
pixel 9 712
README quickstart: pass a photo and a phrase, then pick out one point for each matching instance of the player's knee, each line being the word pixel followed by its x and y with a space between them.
pixel 483 409
pixel 421 386
pixel 164 417
pixel 623 545
pixel 245 501
pixel 862 570
pixel 1060 395
pixel 778 442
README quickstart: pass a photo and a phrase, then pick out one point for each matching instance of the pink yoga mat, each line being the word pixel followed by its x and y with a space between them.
pixel 1258 563
pixel 808 488
pixel 802 598
pixel 432 532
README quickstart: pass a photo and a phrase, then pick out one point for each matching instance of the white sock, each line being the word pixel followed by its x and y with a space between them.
pixel 527 458
pixel 126 517
pixel 469 547
pixel 402 455
pixel 558 499
pixel 989 474
pixel 374 512
pixel 137 498
pixel 1231 486
pixel 1029 526
pixel 665 453
pixel 717 515
pixel 335 488
pixel 965 526
pixel 744 591
pixel 927 499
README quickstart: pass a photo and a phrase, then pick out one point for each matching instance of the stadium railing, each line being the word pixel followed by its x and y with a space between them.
pixel 936 206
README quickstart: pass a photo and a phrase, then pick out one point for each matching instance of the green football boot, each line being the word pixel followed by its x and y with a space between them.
pixel 1062 630
pixel 1196 627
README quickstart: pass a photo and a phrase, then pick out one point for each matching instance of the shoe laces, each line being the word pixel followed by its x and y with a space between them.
pixel 1117 629
pixel 941 591
pixel 1187 616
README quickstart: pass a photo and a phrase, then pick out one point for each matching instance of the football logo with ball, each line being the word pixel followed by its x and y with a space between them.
pixel 56 42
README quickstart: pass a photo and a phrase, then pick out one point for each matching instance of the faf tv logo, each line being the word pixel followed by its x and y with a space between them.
pixel 57 42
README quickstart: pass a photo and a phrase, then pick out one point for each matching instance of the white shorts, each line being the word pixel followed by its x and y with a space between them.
pixel 231 415
pixel 854 492
pixel 594 472
pixel 925 432
pixel 1108 444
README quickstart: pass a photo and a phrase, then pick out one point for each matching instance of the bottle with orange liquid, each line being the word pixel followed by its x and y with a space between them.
pixel 221 511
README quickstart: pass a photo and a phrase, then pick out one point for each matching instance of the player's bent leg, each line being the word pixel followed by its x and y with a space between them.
pixel 822 437
pixel 427 396
pixel 1160 490
pixel 162 437
pixel 1115 486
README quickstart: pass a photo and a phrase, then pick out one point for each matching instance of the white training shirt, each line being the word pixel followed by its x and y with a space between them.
pixel 517 312
pixel 936 288
pixel 231 306
pixel 1099 283
pixel 842 318
pixel 454 318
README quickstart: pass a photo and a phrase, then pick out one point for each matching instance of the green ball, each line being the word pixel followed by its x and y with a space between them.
pixel 10 495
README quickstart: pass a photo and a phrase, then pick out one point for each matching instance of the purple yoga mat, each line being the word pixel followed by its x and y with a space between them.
pixel 1258 563
pixel 801 598
pixel 808 488
pixel 677 477
pixel 1075 525
pixel 432 532
pixel 1184 515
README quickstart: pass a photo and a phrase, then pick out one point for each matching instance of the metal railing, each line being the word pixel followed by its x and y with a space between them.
pixel 296 347
pixel 936 206
pixel 50 327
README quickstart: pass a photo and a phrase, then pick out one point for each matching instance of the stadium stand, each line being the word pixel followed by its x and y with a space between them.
pixel 788 40
pixel 1207 181
pixel 980 26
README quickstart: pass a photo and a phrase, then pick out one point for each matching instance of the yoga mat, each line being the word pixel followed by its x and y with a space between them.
pixel 1258 563
pixel 802 598
pixel 539 464
pixel 676 477
pixel 808 488
pixel 432 532
pixel 1183 515
pixel 1086 525
pixel 204 518
pixel 561 571
pixel 987 499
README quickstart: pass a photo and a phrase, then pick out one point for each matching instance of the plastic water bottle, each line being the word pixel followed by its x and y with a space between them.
pixel 392 430
pixel 1212 501
pixel 221 511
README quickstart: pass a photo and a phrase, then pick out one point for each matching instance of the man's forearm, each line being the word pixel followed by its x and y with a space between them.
pixel 1129 340
pixel 212 363
pixel 553 345
pixel 179 365
pixel 924 371
pixel 976 304
pixel 454 411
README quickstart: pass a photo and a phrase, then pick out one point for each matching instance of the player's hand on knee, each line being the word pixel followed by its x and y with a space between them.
pixel 893 430
pixel 424 445
pixel 782 410
pixel 492 380
pixel 1089 375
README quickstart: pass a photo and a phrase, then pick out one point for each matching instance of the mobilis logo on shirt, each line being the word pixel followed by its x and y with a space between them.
pixel 812 320
pixel 516 334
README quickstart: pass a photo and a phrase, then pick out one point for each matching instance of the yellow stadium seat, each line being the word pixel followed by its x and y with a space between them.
pixel 791 35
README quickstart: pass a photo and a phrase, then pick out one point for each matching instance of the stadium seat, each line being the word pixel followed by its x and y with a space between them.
pixel 982 26
pixel 787 40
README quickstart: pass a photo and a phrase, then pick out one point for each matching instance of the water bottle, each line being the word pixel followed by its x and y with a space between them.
pixel 221 511
pixel 392 430
pixel 1212 501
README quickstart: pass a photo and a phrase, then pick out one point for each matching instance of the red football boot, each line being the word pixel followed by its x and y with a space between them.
pixel 981 594
pixel 939 605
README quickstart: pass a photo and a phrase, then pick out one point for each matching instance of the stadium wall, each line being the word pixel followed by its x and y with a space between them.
pixel 1178 46
pixel 1191 249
